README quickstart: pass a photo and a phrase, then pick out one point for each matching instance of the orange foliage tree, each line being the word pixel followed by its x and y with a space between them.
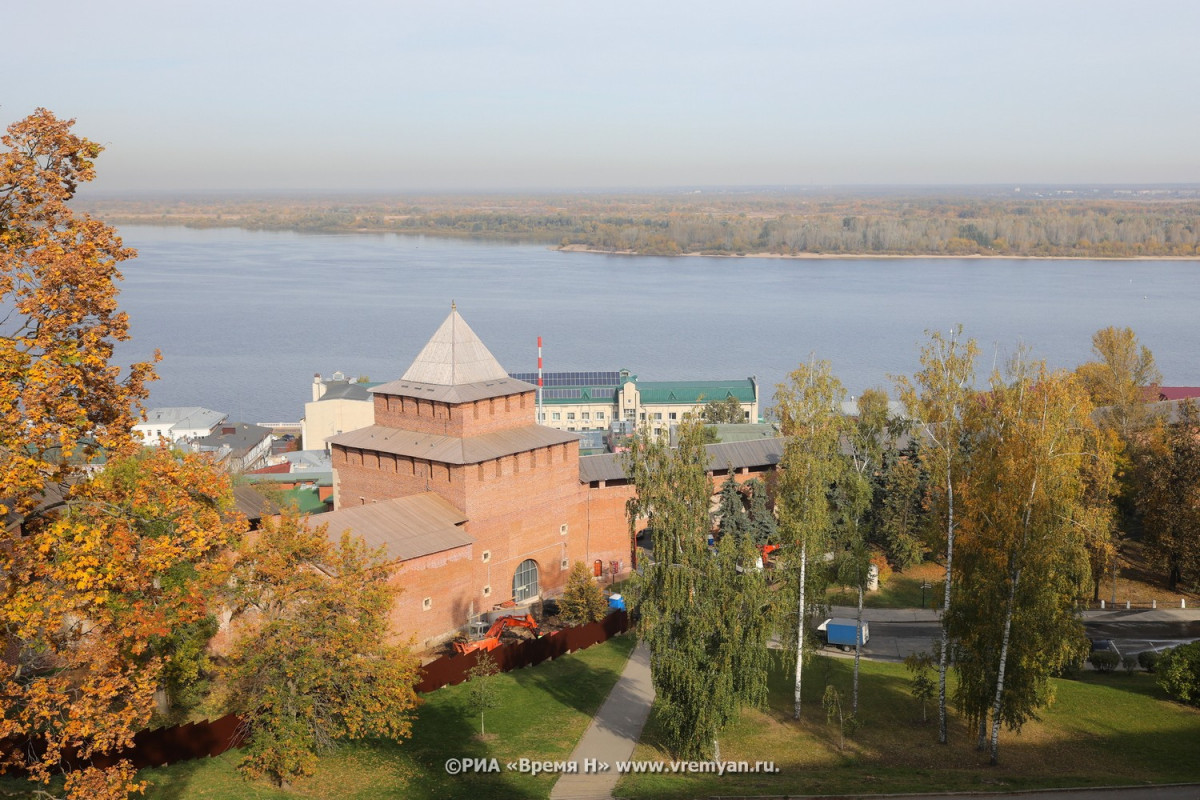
pixel 97 572
pixel 59 396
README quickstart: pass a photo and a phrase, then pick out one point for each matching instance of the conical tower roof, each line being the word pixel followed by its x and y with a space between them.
pixel 454 356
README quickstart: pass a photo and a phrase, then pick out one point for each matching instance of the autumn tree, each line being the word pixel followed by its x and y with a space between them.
pixel 582 600
pixel 1022 545
pixel 100 572
pixel 95 593
pixel 807 407
pixel 697 617
pixel 312 664
pixel 1118 381
pixel 1169 499
pixel 60 399
pixel 935 399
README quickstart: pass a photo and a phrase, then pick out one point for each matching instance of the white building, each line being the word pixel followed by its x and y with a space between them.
pixel 338 405
pixel 177 424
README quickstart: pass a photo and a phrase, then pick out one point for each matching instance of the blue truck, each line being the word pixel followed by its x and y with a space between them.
pixel 841 632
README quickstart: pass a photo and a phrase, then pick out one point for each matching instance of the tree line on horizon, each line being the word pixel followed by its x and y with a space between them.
pixel 739 225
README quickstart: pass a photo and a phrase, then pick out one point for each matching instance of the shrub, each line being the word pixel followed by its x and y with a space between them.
pixel 1104 660
pixel 1147 659
pixel 1129 662
pixel 1178 673
pixel 582 601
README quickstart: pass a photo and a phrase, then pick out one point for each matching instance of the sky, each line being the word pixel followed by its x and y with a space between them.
pixel 414 96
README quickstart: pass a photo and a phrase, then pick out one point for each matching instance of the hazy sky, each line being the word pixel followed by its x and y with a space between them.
pixel 398 96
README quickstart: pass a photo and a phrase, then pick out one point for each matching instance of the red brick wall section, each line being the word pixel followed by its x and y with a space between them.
pixel 466 419
pixel 451 581
pixel 366 477
pixel 520 513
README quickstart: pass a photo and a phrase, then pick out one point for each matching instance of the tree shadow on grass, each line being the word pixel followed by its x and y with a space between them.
pixel 444 729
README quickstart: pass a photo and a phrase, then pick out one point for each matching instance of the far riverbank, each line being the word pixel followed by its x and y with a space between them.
pixel 580 248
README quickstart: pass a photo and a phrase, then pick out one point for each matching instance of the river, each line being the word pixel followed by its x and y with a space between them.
pixel 244 318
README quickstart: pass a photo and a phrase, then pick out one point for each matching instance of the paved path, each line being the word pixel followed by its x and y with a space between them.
pixel 613 733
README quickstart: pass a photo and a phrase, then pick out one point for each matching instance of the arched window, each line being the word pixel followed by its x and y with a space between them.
pixel 525 581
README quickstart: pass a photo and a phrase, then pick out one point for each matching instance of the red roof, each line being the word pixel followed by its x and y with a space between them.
pixel 1176 392
pixel 283 468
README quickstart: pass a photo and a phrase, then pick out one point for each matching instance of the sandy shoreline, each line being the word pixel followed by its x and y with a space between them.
pixel 579 248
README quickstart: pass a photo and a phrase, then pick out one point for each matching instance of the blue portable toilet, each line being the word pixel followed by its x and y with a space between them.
pixel 616 602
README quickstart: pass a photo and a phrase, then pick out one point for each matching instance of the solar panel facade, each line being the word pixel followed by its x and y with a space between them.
pixel 571 378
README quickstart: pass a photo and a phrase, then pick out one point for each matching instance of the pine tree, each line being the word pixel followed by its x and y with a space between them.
pixel 763 527
pixel 732 519
pixel 582 600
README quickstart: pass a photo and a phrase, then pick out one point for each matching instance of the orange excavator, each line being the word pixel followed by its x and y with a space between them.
pixel 491 639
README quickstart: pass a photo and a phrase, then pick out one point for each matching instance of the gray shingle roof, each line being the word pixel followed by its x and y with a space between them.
pixel 241 438
pixel 406 527
pixel 458 393
pixel 753 453
pixel 183 416
pixel 454 355
pixel 345 390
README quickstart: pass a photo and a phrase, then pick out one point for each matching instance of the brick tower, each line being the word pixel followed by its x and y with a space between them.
pixel 457 427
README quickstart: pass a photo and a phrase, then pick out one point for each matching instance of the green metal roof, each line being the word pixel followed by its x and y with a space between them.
pixel 317 477
pixel 307 500
pixel 694 392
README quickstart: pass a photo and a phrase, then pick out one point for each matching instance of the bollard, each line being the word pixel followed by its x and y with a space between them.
pixel 1101 605
pixel 1126 605
pixel 1183 602
pixel 1154 604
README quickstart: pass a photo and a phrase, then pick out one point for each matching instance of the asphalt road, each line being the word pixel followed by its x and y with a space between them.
pixel 893 641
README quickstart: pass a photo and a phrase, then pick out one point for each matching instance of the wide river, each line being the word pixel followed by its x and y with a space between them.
pixel 244 319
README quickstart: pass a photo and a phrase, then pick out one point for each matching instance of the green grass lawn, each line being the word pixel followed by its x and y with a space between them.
pixel 1102 730
pixel 543 712
pixel 902 590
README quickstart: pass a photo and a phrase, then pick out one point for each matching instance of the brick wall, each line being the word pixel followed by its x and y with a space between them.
pixel 366 476
pixel 449 579
pixel 458 420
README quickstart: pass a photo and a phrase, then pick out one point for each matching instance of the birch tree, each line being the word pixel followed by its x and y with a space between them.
pixel 935 398
pixel 1023 542
pixel 864 444
pixel 702 613
pixel 807 407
